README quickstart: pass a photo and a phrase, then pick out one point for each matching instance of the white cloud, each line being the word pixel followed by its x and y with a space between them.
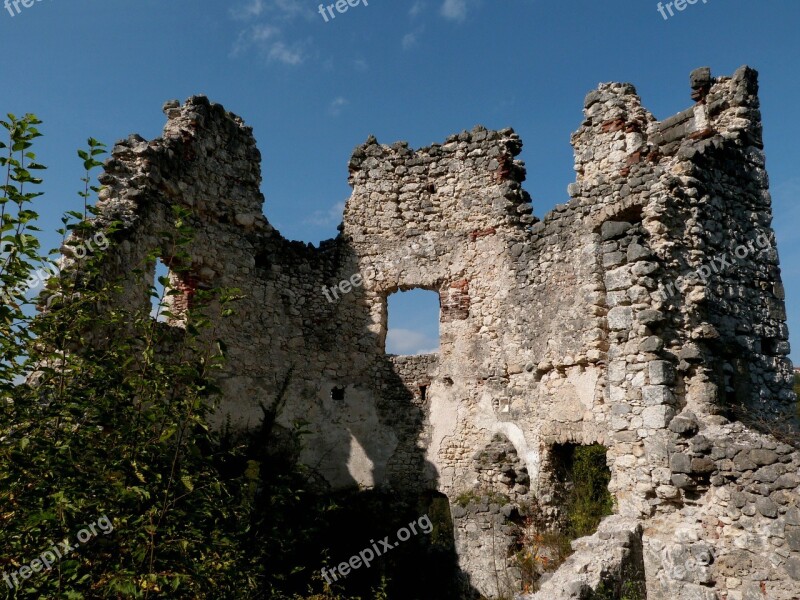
pixel 408 342
pixel 416 8
pixel 292 8
pixel 266 38
pixel 266 41
pixel 454 10
pixel 285 10
pixel 326 218
pixel 335 108
pixel 409 40
pixel 280 52
pixel 248 11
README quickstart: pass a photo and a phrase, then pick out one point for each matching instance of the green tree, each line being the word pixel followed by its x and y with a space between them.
pixel 106 426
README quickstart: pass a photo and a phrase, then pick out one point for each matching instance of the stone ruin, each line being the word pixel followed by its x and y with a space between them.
pixel 646 314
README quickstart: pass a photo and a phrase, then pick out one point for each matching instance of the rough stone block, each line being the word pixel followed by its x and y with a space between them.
pixel 653 395
pixel 767 507
pixel 680 463
pixel 703 466
pixel 620 317
pixel 792 534
pixel 763 457
pixel 657 417
pixel 618 279
pixel 683 425
pixel 661 372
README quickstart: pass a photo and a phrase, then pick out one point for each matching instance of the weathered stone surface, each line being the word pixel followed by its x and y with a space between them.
pixel 703 466
pixel 793 537
pixel 793 567
pixel 767 507
pixel 683 425
pixel 657 417
pixel 614 229
pixel 656 394
pixel 620 317
pixel 680 463
pixel 682 481
pixel 615 549
pixel 661 372
pixel 763 457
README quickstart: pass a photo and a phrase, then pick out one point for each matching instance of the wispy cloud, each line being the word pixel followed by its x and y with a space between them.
pixel 326 218
pixel 266 40
pixel 335 109
pixel 416 8
pixel 264 36
pixel 248 11
pixel 288 55
pixel 284 10
pixel 411 39
pixel 409 342
pixel 254 35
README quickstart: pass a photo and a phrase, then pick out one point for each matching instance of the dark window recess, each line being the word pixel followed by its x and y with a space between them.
pixel 423 392
pixel 337 393
pixel 262 260
pixel 769 346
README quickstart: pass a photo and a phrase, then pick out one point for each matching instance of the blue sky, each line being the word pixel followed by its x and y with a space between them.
pixel 415 70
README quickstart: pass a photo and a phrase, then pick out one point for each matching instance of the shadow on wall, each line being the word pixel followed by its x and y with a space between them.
pixel 331 526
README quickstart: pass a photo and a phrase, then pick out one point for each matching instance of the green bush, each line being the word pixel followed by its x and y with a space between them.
pixel 589 499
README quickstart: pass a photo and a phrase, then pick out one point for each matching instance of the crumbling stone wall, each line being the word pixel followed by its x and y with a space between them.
pixel 588 326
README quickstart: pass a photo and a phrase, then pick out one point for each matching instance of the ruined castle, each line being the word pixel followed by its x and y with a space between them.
pixel 646 314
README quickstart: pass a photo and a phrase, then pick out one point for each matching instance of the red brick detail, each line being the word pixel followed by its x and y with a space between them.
pixel 504 170
pixel 455 301
pixel 184 300
pixel 634 158
pixel 479 233
pixel 613 125
pixel 702 134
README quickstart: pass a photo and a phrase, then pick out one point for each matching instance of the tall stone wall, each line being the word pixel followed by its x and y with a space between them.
pixel 630 316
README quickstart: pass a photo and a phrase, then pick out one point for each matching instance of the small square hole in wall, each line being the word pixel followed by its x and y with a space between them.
pixel 413 322
pixel 337 393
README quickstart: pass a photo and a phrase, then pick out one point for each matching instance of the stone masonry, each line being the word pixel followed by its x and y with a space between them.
pixel 646 314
